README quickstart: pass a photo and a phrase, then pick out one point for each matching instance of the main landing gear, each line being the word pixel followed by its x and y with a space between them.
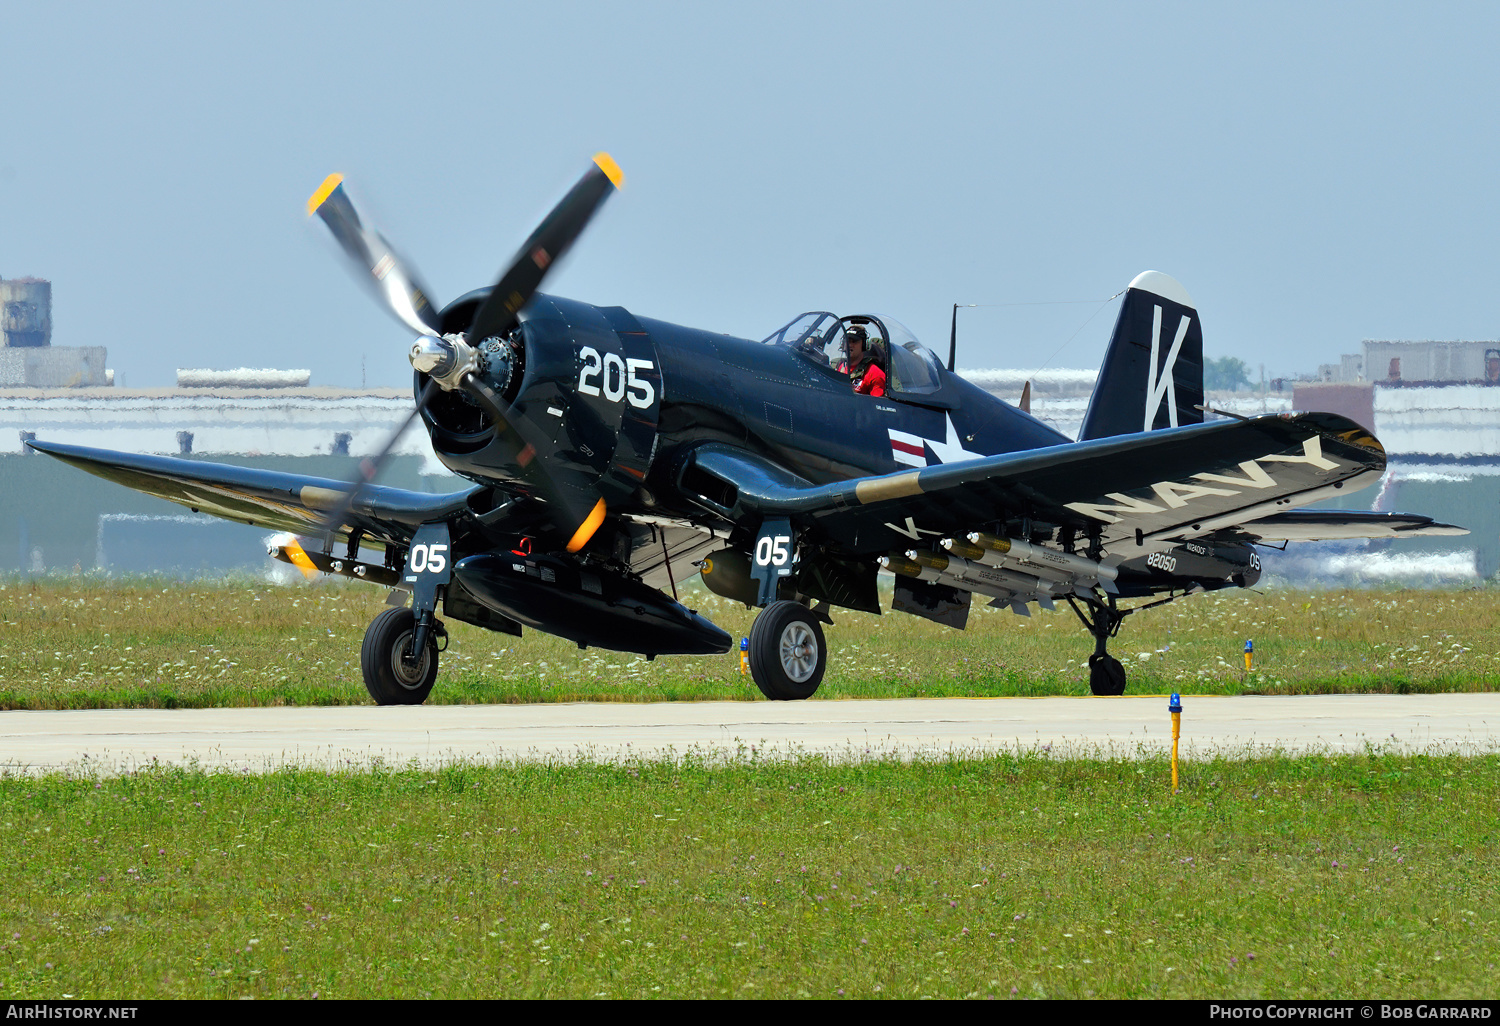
pixel 399 658
pixel 787 652
pixel 1106 675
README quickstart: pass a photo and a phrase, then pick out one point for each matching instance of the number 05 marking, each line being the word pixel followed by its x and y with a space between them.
pixel 428 558
pixel 773 550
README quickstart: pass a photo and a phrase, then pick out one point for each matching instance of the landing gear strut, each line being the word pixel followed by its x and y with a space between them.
pixel 787 651
pixel 1106 675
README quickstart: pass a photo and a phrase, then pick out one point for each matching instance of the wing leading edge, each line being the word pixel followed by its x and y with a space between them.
pixel 264 498
pixel 1138 493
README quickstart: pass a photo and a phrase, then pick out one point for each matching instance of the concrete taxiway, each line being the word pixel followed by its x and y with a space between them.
pixel 111 741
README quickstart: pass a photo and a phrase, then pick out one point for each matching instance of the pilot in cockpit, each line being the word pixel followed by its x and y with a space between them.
pixel 865 372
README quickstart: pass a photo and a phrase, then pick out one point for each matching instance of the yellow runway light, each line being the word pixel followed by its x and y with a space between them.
pixel 1175 708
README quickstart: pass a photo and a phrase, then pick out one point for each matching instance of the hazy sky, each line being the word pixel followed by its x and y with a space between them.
pixel 1314 174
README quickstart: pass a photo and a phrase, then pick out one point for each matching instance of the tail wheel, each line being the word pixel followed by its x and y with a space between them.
pixel 787 652
pixel 1106 675
pixel 392 677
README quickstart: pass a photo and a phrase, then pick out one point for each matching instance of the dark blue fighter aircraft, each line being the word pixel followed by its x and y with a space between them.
pixel 613 456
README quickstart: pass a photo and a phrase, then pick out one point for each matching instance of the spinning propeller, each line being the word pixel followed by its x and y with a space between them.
pixel 452 362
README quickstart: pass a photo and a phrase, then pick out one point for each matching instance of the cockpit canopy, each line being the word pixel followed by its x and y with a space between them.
pixel 911 368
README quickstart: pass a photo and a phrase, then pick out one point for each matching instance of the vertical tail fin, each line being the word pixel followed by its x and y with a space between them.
pixel 1153 369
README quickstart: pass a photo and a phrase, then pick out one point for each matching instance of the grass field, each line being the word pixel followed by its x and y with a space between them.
pixel 1351 876
pixel 1368 875
pixel 77 642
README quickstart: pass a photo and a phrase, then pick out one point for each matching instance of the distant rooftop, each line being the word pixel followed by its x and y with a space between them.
pixel 105 395
pixel 1056 381
pixel 242 377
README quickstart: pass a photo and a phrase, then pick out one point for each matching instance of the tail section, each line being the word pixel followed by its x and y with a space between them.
pixel 1153 369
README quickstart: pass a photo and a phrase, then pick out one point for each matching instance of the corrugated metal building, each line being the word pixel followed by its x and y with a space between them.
pixel 55 516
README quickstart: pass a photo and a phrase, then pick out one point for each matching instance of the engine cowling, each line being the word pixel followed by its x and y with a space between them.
pixel 586 378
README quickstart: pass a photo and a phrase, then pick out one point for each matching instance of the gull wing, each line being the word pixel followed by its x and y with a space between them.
pixel 1138 493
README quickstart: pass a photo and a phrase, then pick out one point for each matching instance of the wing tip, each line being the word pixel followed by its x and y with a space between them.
pixel 57 450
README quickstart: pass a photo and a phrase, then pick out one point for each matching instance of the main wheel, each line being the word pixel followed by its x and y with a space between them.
pixel 1106 675
pixel 787 653
pixel 390 678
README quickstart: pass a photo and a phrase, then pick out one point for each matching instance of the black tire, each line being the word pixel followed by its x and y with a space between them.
pixel 1106 675
pixel 787 652
pixel 388 678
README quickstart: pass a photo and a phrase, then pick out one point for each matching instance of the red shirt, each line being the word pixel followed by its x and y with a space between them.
pixel 871 382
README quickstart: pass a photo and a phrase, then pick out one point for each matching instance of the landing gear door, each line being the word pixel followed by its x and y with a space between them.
pixel 429 565
pixel 773 558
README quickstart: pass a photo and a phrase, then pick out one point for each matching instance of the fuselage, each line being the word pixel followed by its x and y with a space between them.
pixel 626 397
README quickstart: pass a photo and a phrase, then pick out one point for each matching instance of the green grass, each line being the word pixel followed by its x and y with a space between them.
pixel 85 643
pixel 1369 875
pixel 996 875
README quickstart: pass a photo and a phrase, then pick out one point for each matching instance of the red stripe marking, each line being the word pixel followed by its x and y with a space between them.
pixel 915 450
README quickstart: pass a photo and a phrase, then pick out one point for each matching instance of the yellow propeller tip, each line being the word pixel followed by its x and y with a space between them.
pixel 611 169
pixel 324 191
pixel 587 528
pixel 299 559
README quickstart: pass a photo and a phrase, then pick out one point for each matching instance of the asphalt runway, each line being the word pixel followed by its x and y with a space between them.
pixel 114 740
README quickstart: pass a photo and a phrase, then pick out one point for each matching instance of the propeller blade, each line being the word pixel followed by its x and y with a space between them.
pixel 393 281
pixel 545 247
pixel 581 509
pixel 370 468
pixel 299 559
pixel 578 507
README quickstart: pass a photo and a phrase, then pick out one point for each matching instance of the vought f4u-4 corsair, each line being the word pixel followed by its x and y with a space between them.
pixel 612 456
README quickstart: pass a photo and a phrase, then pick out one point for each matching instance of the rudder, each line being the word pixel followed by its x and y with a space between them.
pixel 1152 375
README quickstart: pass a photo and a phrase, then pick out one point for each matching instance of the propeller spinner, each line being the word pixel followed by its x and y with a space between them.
pixel 451 362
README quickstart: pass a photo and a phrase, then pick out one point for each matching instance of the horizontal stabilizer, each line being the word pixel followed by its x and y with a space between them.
pixel 1334 524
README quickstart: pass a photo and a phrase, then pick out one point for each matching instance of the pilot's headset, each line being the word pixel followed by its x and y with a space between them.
pixel 855 333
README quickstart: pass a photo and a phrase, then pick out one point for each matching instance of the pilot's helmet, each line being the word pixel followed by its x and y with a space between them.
pixel 855 333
